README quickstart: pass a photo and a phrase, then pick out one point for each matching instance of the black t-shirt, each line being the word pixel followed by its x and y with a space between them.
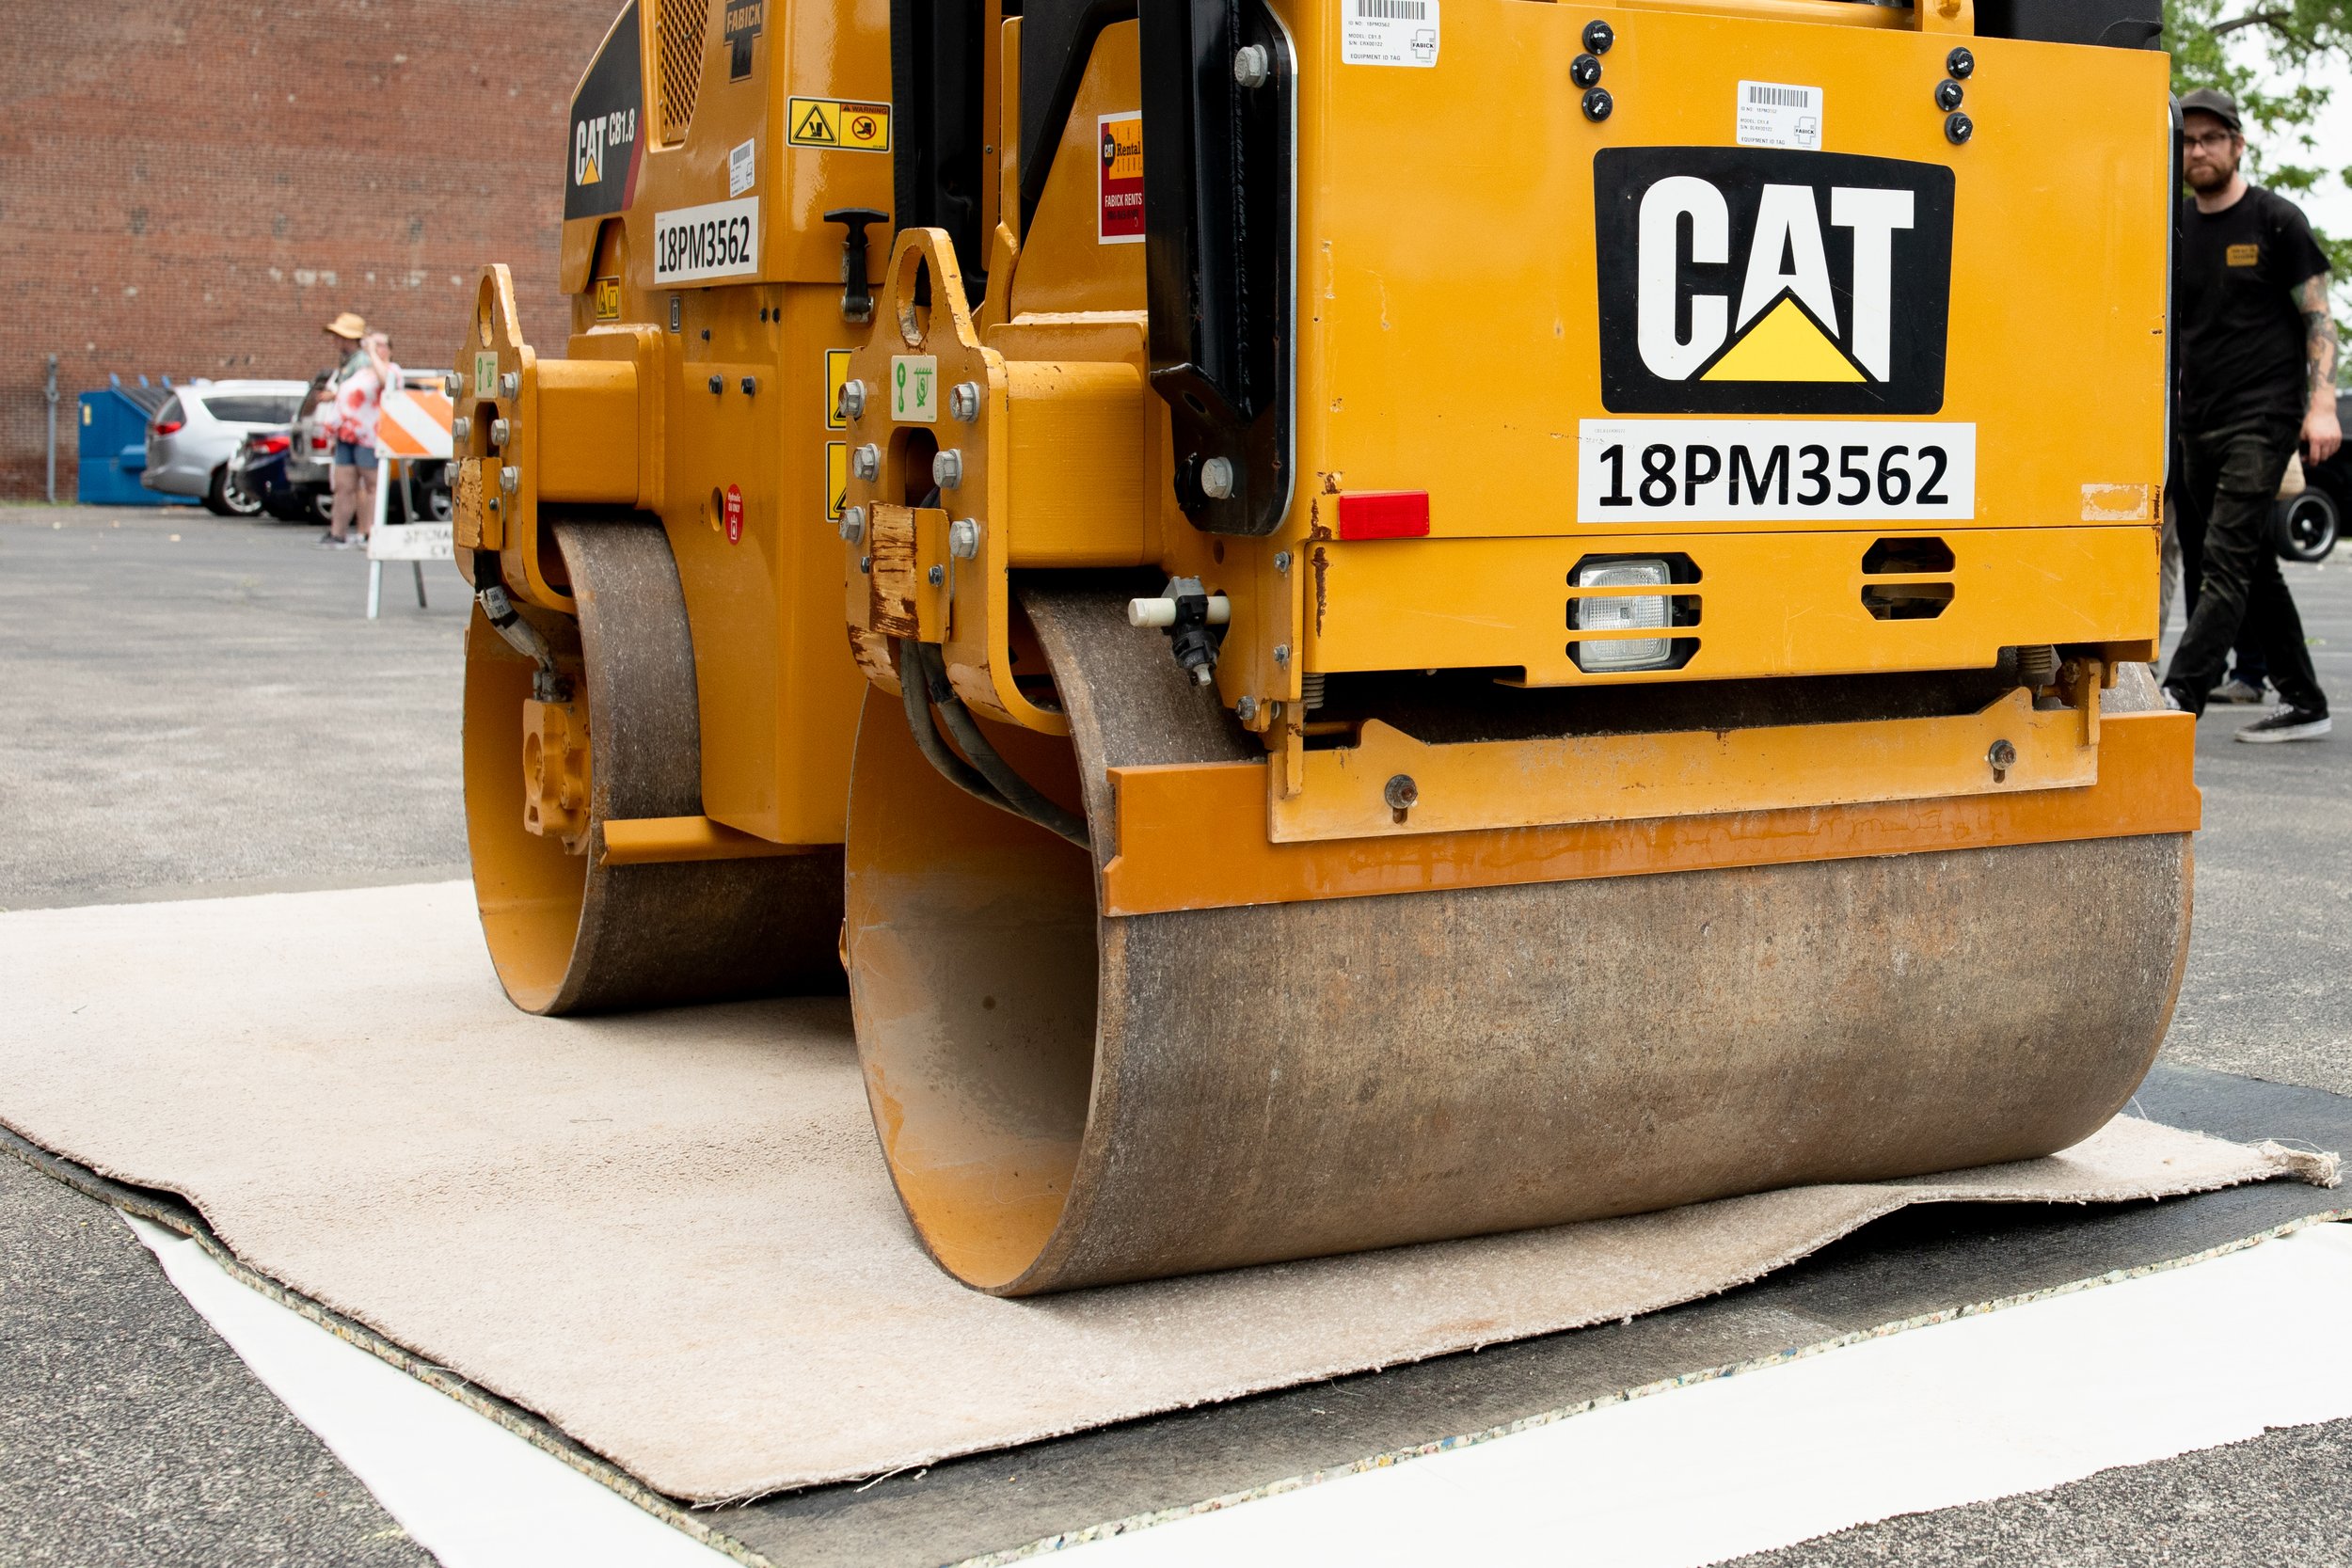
pixel 2243 352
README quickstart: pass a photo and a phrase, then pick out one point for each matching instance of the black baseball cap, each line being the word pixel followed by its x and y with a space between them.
pixel 2213 102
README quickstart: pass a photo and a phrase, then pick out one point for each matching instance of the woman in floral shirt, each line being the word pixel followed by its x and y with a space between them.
pixel 358 393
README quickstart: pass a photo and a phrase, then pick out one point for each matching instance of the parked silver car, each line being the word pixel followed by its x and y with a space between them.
pixel 194 433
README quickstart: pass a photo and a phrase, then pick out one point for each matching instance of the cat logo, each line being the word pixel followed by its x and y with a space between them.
pixel 1740 281
pixel 600 177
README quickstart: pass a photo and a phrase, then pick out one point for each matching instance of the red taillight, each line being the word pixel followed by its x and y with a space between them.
pixel 1385 515
pixel 169 427
pixel 264 445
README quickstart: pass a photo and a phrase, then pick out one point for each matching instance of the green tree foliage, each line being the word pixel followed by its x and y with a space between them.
pixel 2218 43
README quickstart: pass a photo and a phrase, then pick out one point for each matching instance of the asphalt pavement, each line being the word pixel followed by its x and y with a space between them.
pixel 191 706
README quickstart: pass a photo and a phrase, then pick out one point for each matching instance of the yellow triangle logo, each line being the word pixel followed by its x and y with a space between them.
pixel 593 173
pixel 1785 344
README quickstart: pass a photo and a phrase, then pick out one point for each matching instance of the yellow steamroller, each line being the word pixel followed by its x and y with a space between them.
pixel 1465 621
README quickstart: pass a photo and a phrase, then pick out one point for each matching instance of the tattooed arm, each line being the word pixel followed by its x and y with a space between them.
pixel 2321 435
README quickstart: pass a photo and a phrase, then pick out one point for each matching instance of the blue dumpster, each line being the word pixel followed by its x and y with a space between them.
pixel 114 446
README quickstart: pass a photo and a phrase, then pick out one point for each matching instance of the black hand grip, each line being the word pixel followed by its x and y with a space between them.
pixel 857 295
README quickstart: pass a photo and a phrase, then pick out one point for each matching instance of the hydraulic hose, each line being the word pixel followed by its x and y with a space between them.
pixel 923 684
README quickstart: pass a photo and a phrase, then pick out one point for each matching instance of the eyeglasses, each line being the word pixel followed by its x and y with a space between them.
pixel 2212 141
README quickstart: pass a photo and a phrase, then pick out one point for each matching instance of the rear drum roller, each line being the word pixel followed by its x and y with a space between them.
pixel 567 933
pixel 1069 1100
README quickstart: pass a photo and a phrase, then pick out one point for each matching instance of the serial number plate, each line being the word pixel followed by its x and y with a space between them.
pixel 1647 472
pixel 719 240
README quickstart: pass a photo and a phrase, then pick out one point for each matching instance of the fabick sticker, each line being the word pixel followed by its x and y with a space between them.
pixel 1120 179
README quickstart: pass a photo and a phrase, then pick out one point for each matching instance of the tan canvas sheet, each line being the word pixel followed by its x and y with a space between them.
pixel 671 1234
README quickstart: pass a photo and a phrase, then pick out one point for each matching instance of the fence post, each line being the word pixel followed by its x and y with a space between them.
pixel 53 430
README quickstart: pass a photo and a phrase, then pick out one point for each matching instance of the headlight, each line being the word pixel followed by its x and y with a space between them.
pixel 1631 613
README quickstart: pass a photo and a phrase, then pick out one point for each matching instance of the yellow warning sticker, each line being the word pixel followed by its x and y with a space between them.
pixel 608 299
pixel 842 124
pixel 836 377
pixel 837 478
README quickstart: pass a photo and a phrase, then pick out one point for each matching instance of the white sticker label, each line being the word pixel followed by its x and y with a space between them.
pixel 719 240
pixel 1388 32
pixel 915 389
pixel 1774 114
pixel 740 176
pixel 1642 471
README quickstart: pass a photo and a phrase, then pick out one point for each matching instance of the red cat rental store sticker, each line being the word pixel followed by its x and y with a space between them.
pixel 1120 179
pixel 735 514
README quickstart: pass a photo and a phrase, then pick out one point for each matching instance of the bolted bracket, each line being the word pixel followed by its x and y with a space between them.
pixel 555 773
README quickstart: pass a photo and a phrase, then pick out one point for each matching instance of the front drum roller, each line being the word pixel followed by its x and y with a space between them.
pixel 568 933
pixel 1068 1100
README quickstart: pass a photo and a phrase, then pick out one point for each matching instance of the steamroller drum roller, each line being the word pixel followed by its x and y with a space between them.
pixel 567 933
pixel 1070 1099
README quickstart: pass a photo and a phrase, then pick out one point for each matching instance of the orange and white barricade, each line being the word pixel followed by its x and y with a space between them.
pixel 414 425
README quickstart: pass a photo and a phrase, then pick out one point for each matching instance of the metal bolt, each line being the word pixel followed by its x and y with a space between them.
pixel 1597 104
pixel 936 576
pixel 854 400
pixel 947 468
pixel 510 382
pixel 1958 127
pixel 1947 94
pixel 1961 63
pixel 1282 561
pixel 1252 66
pixel 2003 756
pixel 461 429
pixel 718 383
pixel 963 401
pixel 1401 794
pixel 963 538
pixel 1246 710
pixel 865 564
pixel 510 479
pixel 1585 69
pixel 500 433
pixel 852 524
pixel 1282 654
pixel 1598 36
pixel 1216 479
pixel 865 462
pixel 751 384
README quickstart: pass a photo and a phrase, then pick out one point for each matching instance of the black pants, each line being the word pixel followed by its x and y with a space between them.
pixel 2247 662
pixel 2230 477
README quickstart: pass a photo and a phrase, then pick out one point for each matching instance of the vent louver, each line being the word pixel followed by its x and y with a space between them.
pixel 680 24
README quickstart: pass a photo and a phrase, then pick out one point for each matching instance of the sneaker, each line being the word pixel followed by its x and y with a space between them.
pixel 327 541
pixel 2171 700
pixel 2287 724
pixel 2234 690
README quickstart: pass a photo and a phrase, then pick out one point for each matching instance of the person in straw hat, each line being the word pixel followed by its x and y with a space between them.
pixel 358 392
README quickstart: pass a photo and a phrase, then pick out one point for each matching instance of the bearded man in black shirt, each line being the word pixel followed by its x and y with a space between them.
pixel 2258 375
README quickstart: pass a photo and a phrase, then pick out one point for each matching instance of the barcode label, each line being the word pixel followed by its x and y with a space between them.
pixel 1778 114
pixel 1388 32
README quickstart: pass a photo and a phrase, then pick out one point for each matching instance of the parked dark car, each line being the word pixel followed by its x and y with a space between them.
pixel 263 469
pixel 268 467
pixel 2310 524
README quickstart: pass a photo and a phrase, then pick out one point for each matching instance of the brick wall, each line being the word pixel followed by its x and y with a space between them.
pixel 194 188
